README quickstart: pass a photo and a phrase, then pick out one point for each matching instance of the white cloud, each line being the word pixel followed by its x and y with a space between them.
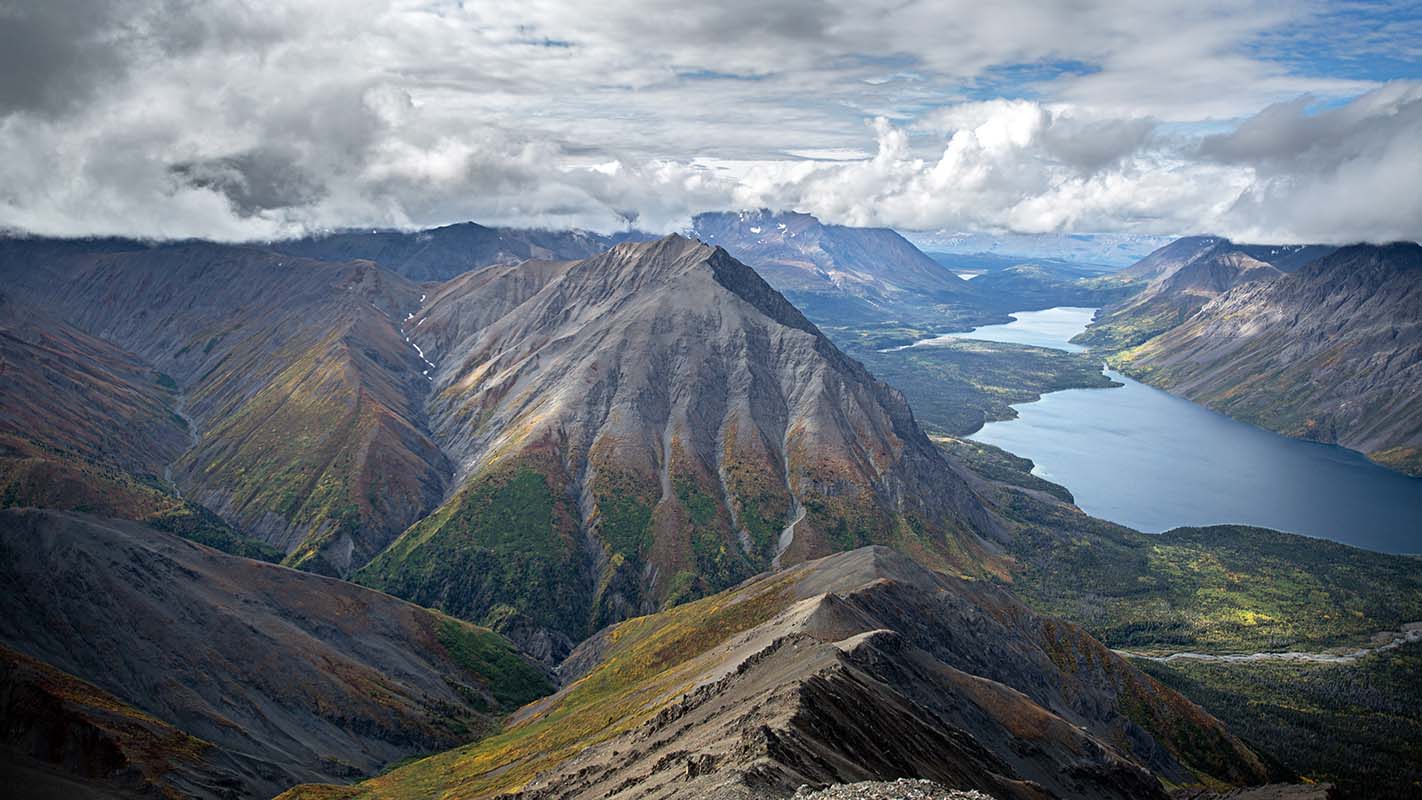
pixel 236 120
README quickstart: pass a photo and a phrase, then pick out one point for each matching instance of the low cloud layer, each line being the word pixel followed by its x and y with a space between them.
pixel 237 120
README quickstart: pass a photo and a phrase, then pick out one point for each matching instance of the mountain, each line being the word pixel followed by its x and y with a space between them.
pixel 975 264
pixel 829 270
pixel 300 400
pixel 1182 277
pixel 159 662
pixel 439 254
pixel 1035 285
pixel 1332 352
pixel 648 426
pixel 87 425
pixel 1110 249
pixel 858 666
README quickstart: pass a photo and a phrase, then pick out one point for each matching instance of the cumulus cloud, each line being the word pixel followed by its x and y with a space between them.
pixel 234 120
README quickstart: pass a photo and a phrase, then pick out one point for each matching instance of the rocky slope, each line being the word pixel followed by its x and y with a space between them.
pixel 1179 280
pixel 66 738
pixel 272 676
pixel 829 271
pixel 439 254
pixel 302 401
pixel 1332 352
pixel 87 425
pixel 648 426
pixel 859 666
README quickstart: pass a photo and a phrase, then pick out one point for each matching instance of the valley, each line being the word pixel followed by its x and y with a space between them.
pixel 711 541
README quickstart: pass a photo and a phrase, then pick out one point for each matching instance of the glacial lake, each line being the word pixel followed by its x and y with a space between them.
pixel 1144 458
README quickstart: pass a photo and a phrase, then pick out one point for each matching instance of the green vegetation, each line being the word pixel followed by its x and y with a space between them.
pixel 956 387
pixel 997 464
pixel 647 663
pixel 720 562
pixel 1224 588
pixel 32 475
pixel 1358 726
pixel 1217 589
pixel 195 522
pixel 763 505
pixel 509 676
pixel 504 539
pixel 624 505
pixel 1133 326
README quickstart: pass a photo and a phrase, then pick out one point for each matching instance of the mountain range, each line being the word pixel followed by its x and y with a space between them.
pixel 1331 352
pixel 636 486
pixel 1172 283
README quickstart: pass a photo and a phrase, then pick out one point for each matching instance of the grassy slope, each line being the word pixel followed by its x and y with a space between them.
pixel 1358 726
pixel 645 666
pixel 504 540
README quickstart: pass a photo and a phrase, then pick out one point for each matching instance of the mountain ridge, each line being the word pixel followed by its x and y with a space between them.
pixel 659 391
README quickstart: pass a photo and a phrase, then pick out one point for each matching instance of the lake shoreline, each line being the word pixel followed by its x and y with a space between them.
pixel 1151 460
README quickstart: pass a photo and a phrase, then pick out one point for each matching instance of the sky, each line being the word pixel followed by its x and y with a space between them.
pixel 234 120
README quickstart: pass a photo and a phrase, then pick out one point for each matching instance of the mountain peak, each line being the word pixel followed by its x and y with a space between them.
pixel 678 426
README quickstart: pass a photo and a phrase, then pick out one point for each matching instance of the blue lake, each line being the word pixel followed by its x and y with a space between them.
pixel 1152 461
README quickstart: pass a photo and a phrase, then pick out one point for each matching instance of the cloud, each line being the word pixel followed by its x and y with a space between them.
pixel 1345 173
pixel 234 120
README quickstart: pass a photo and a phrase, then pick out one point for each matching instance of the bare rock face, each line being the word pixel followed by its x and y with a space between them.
pixel 1332 352
pixel 860 666
pixel 901 789
pixel 650 425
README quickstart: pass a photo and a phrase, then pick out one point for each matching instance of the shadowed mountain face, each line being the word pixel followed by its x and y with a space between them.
pixel 69 392
pixel 301 399
pixel 651 425
pixel 442 253
pixel 1332 352
pixel 832 270
pixel 271 675
pixel 858 666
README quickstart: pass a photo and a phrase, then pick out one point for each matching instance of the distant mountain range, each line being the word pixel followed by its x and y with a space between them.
pixel 1172 283
pixel 1109 249
pixel 833 271
pixel 439 254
